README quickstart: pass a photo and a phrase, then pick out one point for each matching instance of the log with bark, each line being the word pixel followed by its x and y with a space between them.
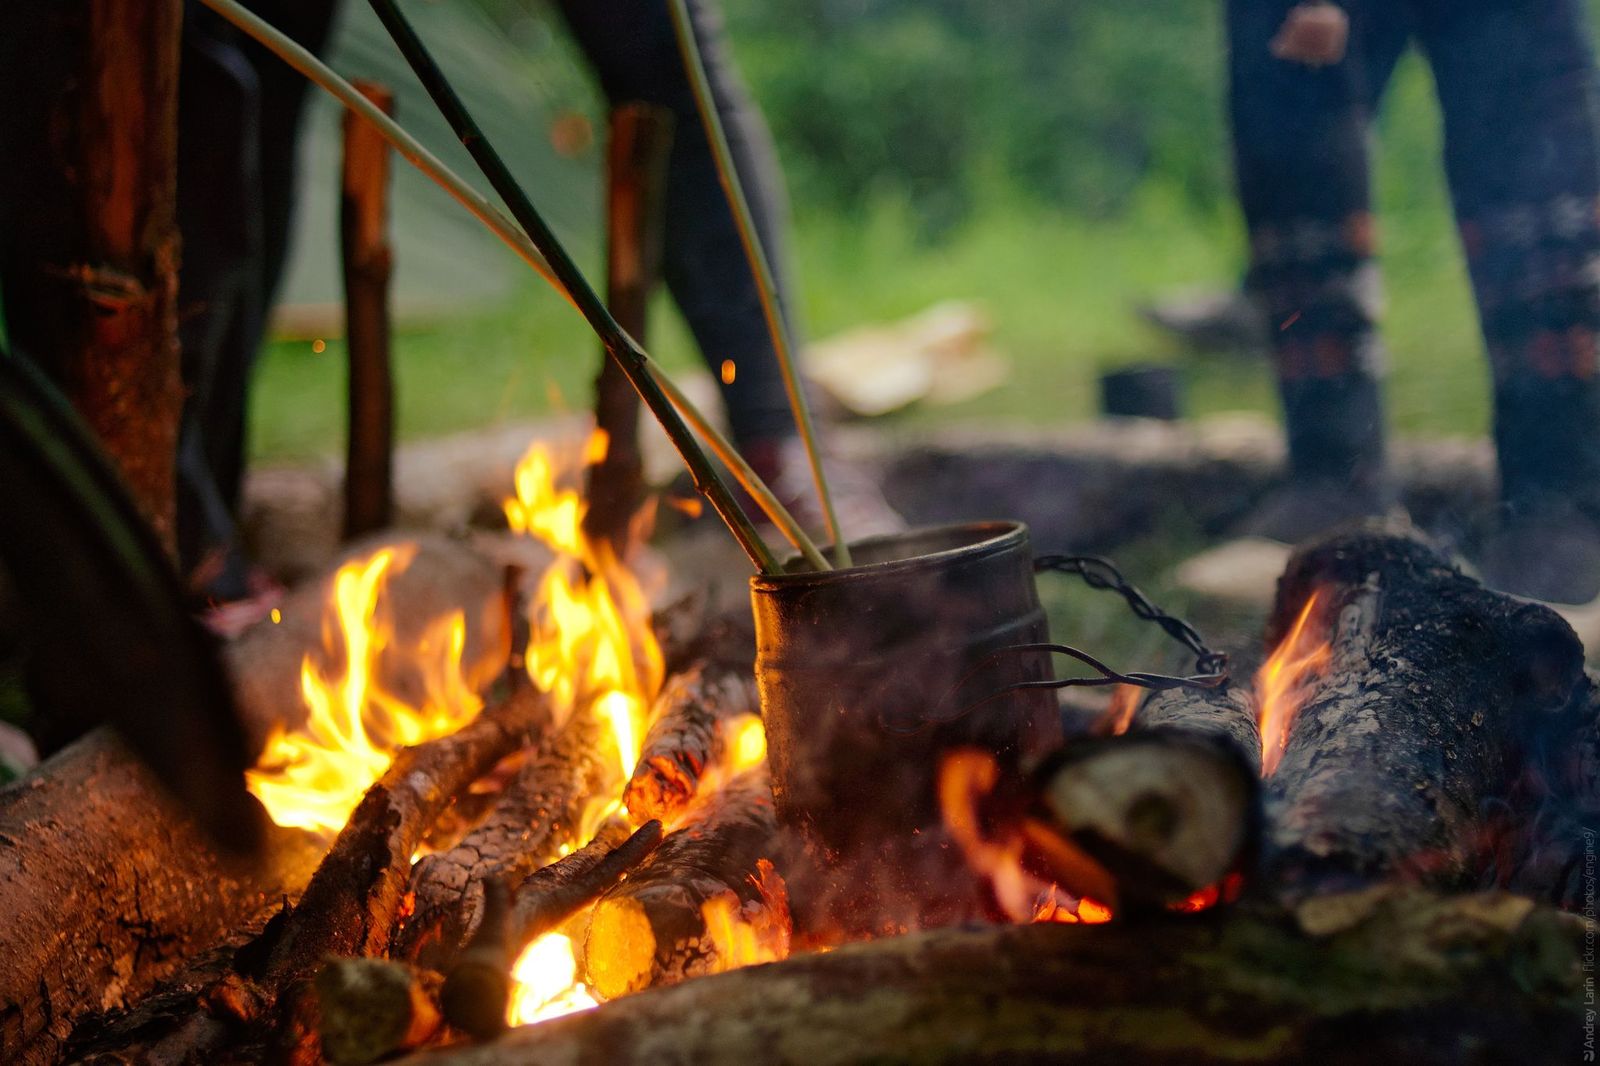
pixel 652 929
pixel 110 888
pixel 1420 722
pixel 540 810
pixel 1381 976
pixel 372 1008
pixel 688 734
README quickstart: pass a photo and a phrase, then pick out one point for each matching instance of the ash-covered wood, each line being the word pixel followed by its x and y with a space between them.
pixel 687 735
pixel 1382 976
pixel 370 1009
pixel 1419 725
pixel 109 888
pixel 1227 714
pixel 540 810
pixel 477 988
pixel 650 930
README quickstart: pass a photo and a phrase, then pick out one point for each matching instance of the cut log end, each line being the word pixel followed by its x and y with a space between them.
pixel 370 1009
pixel 1165 814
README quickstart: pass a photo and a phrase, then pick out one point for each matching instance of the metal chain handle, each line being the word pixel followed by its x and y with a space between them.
pixel 1211 667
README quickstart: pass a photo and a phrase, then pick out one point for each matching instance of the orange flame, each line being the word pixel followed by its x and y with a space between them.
pixel 966 777
pixel 313 777
pixel 1285 681
pixel 747 934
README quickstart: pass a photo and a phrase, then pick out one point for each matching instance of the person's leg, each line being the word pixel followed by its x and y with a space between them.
pixel 634 53
pixel 1300 152
pixel 1517 86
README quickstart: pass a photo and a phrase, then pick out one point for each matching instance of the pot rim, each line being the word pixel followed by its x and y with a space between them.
pixel 991 535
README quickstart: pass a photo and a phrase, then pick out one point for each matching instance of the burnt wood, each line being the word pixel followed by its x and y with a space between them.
pixel 686 737
pixel 1420 723
pixel 649 930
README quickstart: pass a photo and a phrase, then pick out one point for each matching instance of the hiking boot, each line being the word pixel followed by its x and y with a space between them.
pixel 1211 320
pixel 1337 467
pixel 1547 435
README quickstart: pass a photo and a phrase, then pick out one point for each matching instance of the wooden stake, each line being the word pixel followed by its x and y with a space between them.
pixel 90 267
pixel 636 168
pixel 368 263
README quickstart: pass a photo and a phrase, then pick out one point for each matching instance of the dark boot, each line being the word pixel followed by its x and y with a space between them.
pixel 1547 434
pixel 1337 467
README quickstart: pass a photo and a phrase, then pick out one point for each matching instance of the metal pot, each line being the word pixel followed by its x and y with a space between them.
pixel 867 676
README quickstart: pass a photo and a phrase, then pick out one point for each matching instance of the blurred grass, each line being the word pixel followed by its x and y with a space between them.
pixel 1061 289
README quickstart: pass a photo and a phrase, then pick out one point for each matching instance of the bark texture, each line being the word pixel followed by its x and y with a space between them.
pixel 1420 723
pixel 109 889
pixel 651 929
pixel 1381 976
pixel 90 252
pixel 686 736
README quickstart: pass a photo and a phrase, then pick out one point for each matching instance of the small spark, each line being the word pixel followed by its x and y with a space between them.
pixel 277 616
pixel 729 371
pixel 1291 320
pixel 319 346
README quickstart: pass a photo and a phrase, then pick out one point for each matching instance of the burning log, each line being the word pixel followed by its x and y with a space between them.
pixel 688 733
pixel 1417 727
pixel 110 888
pixel 1379 976
pixel 539 811
pixel 477 989
pixel 372 1008
pixel 353 900
pixel 671 919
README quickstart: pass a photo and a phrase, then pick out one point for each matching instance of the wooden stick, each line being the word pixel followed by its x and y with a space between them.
pixel 369 1009
pixel 685 737
pixel 636 168
pixel 367 262
pixel 477 989
pixel 621 347
pixel 766 286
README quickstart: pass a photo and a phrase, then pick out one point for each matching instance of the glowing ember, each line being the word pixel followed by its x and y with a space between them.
pixel 547 986
pixel 1285 681
pixel 313 777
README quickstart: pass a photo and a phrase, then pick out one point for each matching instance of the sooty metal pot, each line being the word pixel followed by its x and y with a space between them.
pixel 868 675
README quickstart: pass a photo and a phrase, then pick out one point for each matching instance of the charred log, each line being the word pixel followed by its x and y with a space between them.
pixel 652 930
pixel 477 989
pixel 110 888
pixel 540 810
pixel 1419 723
pixel 686 736
pixel 1381 976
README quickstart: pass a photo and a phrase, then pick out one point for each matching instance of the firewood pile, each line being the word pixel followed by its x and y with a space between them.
pixel 1375 848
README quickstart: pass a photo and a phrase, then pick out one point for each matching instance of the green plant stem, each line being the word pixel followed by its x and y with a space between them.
pixel 765 498
pixel 767 288
pixel 409 148
pixel 619 345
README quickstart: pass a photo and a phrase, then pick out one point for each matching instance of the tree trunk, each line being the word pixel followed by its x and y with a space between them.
pixel 1420 722
pixel 636 167
pixel 90 252
pixel 365 254
pixel 1378 977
